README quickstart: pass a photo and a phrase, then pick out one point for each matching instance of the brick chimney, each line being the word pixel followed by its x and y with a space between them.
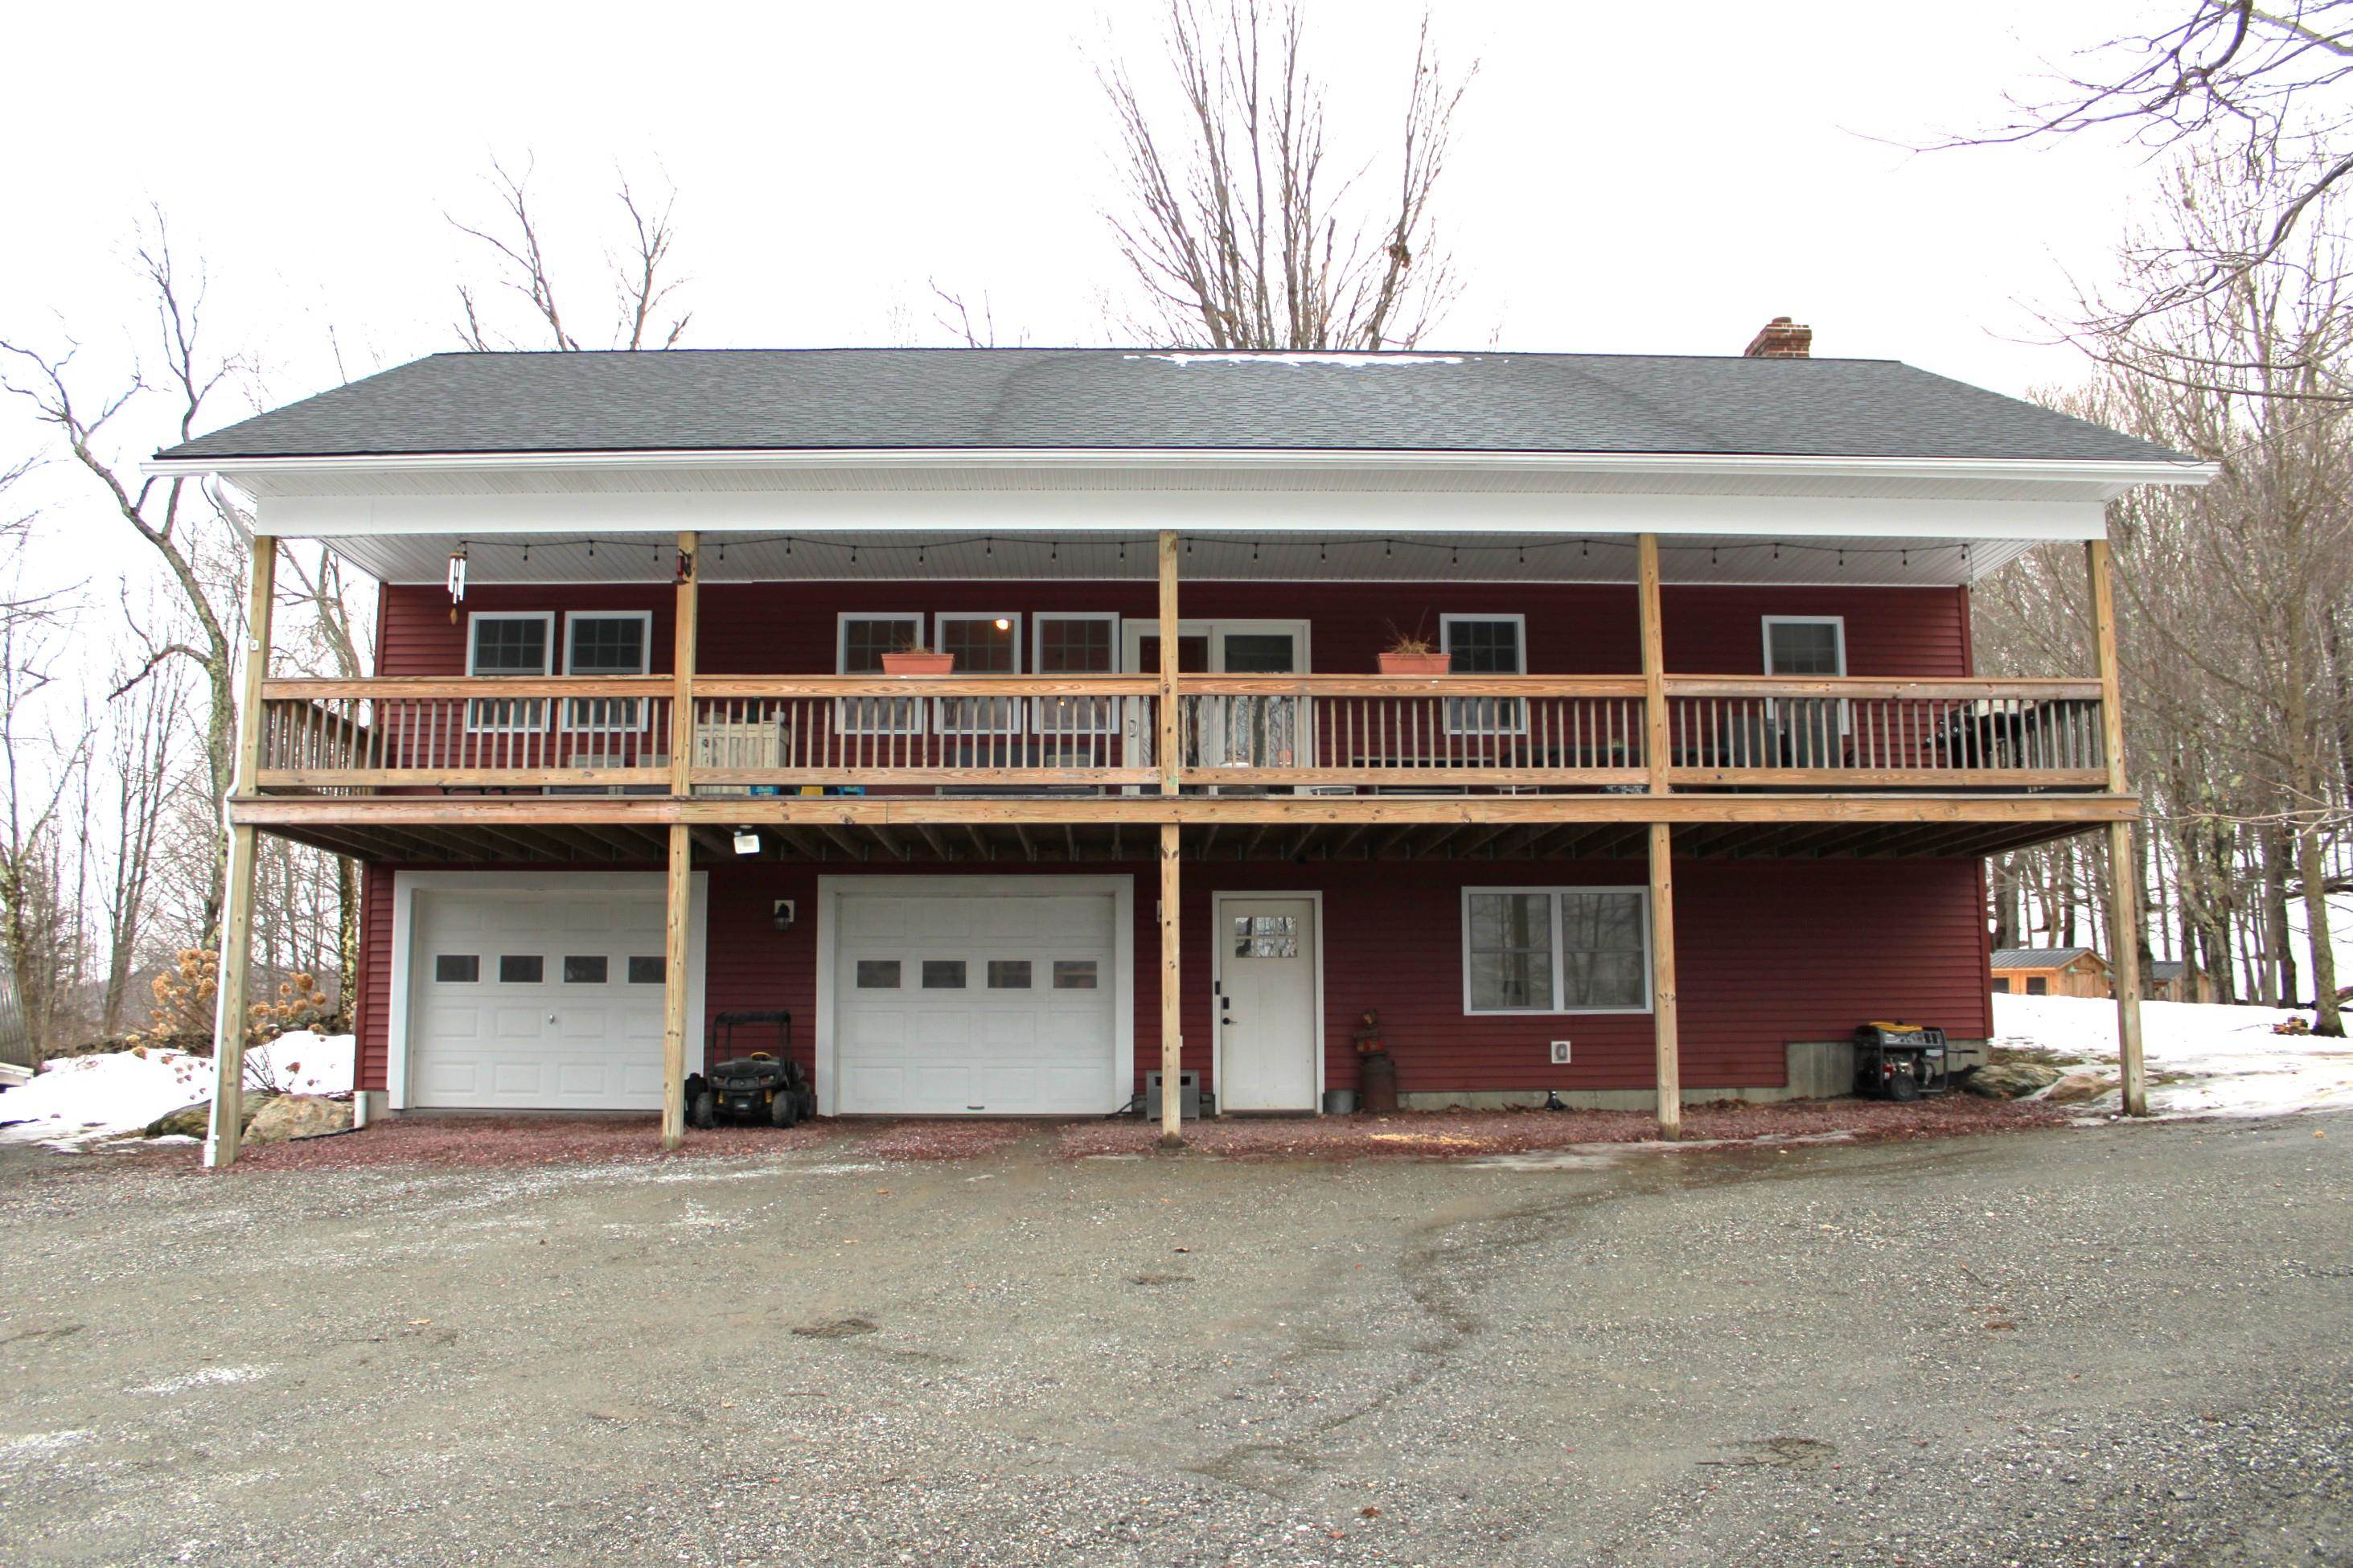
pixel 1780 339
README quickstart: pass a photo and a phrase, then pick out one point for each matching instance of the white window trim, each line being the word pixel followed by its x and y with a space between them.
pixel 1014 708
pixel 1772 621
pixel 1558 966
pixel 1110 708
pixel 546 654
pixel 1446 624
pixel 842 708
pixel 640 710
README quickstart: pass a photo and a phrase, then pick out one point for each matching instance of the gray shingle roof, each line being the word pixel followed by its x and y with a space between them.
pixel 2039 957
pixel 804 399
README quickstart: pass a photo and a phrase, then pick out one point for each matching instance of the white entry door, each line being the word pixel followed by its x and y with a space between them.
pixel 537 999
pixel 1270 1010
pixel 971 995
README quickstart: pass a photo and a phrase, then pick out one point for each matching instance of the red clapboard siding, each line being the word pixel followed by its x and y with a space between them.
pixel 1767 953
pixel 766 629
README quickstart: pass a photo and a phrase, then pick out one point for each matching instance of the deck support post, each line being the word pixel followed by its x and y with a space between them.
pixel 1168 742
pixel 1667 1045
pixel 1169 731
pixel 1172 993
pixel 681 701
pixel 1655 744
pixel 676 924
pixel 227 1132
pixel 2124 869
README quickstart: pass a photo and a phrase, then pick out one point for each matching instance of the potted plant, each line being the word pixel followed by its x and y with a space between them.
pixel 1412 653
pixel 915 659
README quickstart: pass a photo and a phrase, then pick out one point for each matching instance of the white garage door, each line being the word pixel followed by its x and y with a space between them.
pixel 537 1001
pixel 948 1002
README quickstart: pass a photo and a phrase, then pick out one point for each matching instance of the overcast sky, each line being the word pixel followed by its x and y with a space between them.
pixel 1660 178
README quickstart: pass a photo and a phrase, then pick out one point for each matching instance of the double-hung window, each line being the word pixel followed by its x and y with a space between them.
pixel 607 643
pixel 515 645
pixel 985 642
pixel 1485 644
pixel 1076 643
pixel 864 638
pixel 1556 950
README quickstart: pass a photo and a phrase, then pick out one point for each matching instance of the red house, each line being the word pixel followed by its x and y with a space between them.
pixel 1704 772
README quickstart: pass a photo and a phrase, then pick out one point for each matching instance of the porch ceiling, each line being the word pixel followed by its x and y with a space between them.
pixel 1099 843
pixel 1101 556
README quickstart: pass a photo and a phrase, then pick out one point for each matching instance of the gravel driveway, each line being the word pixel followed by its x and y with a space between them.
pixel 2125 1345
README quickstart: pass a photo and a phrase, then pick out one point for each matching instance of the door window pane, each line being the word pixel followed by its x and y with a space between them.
pixel 1510 952
pixel 1261 653
pixel 877 974
pixel 1009 975
pixel 944 974
pixel 458 968
pixel 1266 936
pixel 1074 975
pixel 645 969
pixel 521 969
pixel 583 968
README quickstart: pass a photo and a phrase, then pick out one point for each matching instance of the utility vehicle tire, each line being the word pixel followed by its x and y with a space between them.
pixel 781 1108
pixel 704 1111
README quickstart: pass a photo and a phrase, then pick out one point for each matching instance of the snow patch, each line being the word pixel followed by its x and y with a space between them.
pixel 2204 1058
pixel 1345 361
pixel 33 1445
pixel 75 1102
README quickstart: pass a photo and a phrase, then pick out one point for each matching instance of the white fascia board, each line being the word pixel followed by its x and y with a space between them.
pixel 1112 461
pixel 1077 513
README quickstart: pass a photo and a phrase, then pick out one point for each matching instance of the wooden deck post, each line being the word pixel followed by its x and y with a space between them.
pixel 1169 730
pixel 2124 869
pixel 1168 741
pixel 1667 1046
pixel 682 707
pixel 1172 990
pixel 1655 745
pixel 236 915
pixel 676 926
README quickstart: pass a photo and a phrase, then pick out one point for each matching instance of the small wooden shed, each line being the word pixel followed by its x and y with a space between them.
pixel 2051 972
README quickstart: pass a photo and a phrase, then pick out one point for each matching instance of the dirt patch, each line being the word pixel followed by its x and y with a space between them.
pixel 1458 1134
pixel 499 1141
pixel 938 1140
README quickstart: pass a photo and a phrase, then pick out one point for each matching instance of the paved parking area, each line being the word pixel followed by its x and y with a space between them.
pixel 2083 1347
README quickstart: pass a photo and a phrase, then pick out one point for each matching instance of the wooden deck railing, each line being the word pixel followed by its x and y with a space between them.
pixel 1278 731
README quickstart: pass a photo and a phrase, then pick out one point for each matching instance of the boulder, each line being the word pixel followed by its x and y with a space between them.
pixel 2078 1086
pixel 196 1121
pixel 297 1116
pixel 2011 1081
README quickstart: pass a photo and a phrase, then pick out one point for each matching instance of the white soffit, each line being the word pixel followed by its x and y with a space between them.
pixel 1288 556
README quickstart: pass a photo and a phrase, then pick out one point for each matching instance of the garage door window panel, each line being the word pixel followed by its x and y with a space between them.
pixel 521 969
pixel 944 974
pixel 457 969
pixel 877 974
pixel 584 969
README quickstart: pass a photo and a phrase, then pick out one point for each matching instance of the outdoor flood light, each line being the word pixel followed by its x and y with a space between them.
pixel 746 841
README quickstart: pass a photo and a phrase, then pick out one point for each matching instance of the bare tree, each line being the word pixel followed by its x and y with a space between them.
pixel 173 517
pixel 1242 228
pixel 40 769
pixel 639 268
pixel 2263 88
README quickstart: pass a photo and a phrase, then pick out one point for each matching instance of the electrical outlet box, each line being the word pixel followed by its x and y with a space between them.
pixel 1560 1053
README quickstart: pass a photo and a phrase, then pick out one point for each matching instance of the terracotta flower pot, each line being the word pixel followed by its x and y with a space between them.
pixel 918 663
pixel 1417 663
